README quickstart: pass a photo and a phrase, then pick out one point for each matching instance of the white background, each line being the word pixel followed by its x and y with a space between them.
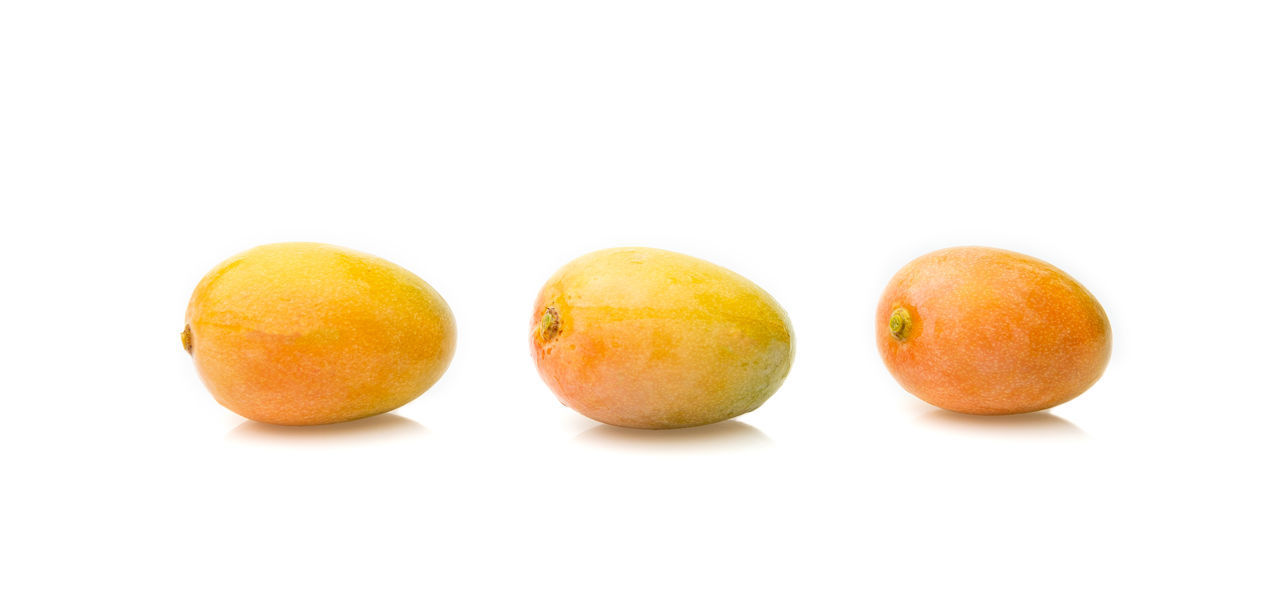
pixel 814 147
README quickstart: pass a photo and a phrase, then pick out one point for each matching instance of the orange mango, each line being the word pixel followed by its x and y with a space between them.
pixel 646 338
pixel 991 332
pixel 306 333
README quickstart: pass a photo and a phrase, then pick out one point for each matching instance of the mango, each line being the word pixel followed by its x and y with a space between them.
pixel 991 332
pixel 646 338
pixel 307 333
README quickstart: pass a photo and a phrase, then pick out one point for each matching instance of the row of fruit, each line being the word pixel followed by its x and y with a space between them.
pixel 306 333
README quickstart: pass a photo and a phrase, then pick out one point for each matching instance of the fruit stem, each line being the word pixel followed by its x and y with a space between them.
pixel 186 339
pixel 899 324
pixel 549 327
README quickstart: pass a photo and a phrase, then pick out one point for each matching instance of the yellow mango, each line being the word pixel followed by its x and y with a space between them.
pixel 306 333
pixel 646 338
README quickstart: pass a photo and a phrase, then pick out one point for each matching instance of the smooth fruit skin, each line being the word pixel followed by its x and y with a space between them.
pixel 991 332
pixel 307 333
pixel 646 338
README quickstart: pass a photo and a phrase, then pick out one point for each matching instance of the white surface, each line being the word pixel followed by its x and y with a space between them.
pixel 812 147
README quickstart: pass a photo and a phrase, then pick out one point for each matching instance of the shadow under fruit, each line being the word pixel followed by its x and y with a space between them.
pixel 306 333
pixel 991 332
pixel 646 338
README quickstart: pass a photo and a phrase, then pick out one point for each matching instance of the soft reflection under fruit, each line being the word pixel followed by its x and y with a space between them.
pixel 378 428
pixel 723 435
pixel 1041 424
